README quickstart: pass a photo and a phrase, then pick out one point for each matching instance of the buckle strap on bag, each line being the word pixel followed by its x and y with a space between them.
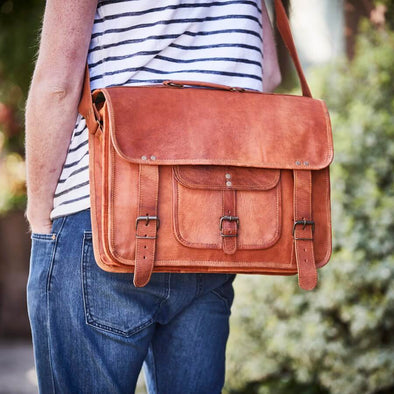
pixel 147 224
pixel 303 230
pixel 229 222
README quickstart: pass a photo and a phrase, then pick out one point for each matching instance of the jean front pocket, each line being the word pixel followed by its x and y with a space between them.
pixel 43 248
pixel 42 251
pixel 112 303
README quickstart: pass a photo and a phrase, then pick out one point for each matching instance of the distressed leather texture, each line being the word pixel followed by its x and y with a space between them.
pixel 212 179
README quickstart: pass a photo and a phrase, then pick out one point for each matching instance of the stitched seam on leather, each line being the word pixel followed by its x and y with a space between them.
pixel 111 213
pixel 213 162
pixel 94 197
pixel 310 195
pixel 223 213
pixel 327 247
pixel 220 266
pixel 330 152
pixel 108 194
pixel 138 244
pixel 253 265
pixel 107 149
pixel 184 181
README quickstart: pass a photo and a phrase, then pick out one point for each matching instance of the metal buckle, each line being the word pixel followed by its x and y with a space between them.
pixel 230 219
pixel 304 224
pixel 147 219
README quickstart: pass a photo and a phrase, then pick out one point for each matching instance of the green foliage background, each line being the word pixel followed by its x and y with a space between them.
pixel 339 338
pixel 19 27
pixel 20 21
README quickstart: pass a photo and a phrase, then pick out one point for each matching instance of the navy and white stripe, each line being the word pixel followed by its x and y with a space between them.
pixel 137 42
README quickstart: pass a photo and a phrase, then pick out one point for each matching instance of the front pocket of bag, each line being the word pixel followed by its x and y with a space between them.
pixel 199 206
pixel 112 303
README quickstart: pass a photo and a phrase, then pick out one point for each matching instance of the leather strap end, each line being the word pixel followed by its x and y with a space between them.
pixel 143 273
pixel 307 282
pixel 85 104
pixel 307 272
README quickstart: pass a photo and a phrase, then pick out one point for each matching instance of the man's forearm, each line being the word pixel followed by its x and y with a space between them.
pixel 51 108
pixel 50 116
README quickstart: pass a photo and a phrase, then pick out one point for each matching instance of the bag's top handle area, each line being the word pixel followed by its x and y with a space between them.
pixel 86 105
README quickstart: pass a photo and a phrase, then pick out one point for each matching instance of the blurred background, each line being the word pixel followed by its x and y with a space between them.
pixel 337 339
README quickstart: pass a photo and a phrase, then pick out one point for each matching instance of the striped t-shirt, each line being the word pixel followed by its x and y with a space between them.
pixel 142 42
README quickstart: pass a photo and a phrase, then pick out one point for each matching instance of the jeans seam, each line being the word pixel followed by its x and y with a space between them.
pixel 112 330
pixel 199 284
pixel 166 295
pixel 83 279
pixel 57 234
pixel 167 285
pixel 48 288
pixel 42 237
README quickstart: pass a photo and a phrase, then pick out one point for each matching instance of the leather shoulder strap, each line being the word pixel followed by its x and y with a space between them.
pixel 284 29
pixel 85 107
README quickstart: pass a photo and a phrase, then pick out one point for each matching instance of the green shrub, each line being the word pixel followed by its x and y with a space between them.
pixel 339 338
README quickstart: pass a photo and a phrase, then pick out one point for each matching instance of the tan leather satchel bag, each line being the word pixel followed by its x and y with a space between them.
pixel 210 180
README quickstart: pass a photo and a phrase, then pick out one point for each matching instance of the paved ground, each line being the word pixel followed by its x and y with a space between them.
pixel 17 374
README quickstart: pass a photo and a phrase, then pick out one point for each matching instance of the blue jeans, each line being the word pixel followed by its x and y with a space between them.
pixel 93 330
